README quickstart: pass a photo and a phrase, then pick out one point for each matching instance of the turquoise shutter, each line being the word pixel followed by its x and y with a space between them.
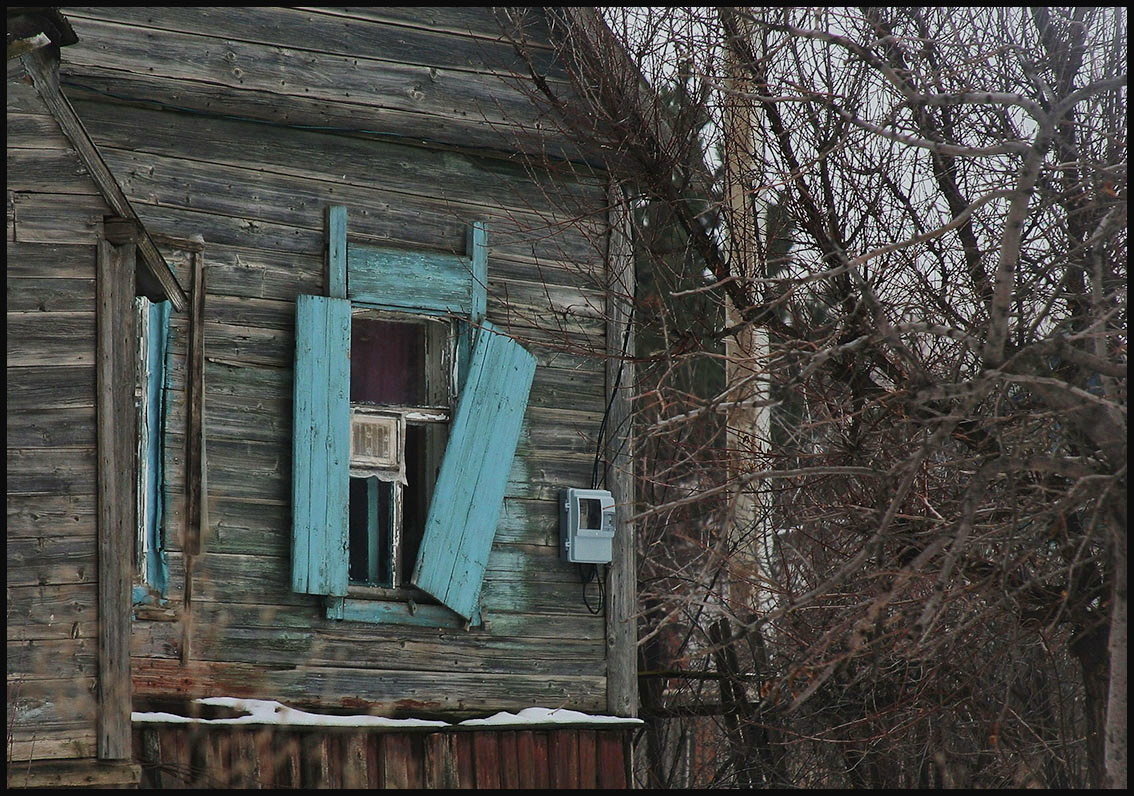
pixel 469 492
pixel 157 332
pixel 321 446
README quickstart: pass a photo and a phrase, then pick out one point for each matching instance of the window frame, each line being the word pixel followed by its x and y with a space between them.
pixel 419 283
pixel 439 343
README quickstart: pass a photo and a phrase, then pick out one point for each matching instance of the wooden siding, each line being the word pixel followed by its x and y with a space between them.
pixel 356 69
pixel 51 528
pixel 229 123
pixel 215 756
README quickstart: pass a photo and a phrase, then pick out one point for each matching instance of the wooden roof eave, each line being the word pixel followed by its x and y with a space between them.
pixel 156 279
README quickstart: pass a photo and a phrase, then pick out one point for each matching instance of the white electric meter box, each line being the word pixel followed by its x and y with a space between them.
pixel 587 526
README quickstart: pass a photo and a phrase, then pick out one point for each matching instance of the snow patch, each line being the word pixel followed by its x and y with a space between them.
pixel 266 711
pixel 547 716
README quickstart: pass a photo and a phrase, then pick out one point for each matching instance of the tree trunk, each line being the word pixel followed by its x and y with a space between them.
pixel 1090 649
pixel 1116 734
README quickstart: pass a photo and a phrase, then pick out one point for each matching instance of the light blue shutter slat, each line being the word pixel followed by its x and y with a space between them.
pixel 321 446
pixel 431 282
pixel 469 492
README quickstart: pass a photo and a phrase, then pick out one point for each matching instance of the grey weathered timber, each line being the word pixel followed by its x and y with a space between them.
pixel 116 489
pixel 440 101
pixel 158 280
pixel 621 608
pixel 195 516
pixel 243 125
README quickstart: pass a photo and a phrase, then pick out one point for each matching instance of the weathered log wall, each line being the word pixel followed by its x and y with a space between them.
pixel 242 125
pixel 54 220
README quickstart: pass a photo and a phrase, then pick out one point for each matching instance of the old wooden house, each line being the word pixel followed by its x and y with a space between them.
pixel 312 319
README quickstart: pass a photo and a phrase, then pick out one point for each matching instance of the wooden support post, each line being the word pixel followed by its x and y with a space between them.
pixel 746 351
pixel 477 251
pixel 196 493
pixel 117 499
pixel 337 251
pixel 622 594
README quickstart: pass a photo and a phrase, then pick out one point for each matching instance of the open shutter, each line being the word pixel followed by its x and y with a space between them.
pixel 321 446
pixel 469 491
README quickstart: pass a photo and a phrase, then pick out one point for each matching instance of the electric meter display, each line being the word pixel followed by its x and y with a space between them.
pixel 587 526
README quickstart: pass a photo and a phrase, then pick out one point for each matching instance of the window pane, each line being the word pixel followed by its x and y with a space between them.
pixel 370 531
pixel 387 362
pixel 590 510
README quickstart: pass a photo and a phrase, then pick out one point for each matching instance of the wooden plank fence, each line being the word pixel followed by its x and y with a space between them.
pixel 257 756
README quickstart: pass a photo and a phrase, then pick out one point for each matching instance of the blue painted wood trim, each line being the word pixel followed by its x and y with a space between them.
pixel 469 491
pixel 396 613
pixel 409 281
pixel 157 321
pixel 337 251
pixel 321 446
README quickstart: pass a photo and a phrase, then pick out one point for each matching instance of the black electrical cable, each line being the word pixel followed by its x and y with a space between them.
pixel 613 390
pixel 593 574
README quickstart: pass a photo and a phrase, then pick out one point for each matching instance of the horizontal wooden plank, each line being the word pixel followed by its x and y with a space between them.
pixel 384 692
pixel 257 273
pixel 450 178
pixel 56 338
pixel 418 37
pixel 31 663
pixel 70 427
pixel 67 516
pixel 480 21
pixel 58 217
pixel 51 704
pixel 51 471
pixel 254 526
pixel 421 218
pixel 48 170
pixel 64 744
pixel 50 261
pixel 469 134
pixel 49 387
pixel 361 73
pixel 268 419
pixel 263 471
pixel 397 97
pixel 265 635
pixel 50 295
pixel 264 580
pixel 45 560
pixel 554 388
pixel 59 612
pixel 34 131
pixel 74 773
pixel 20 96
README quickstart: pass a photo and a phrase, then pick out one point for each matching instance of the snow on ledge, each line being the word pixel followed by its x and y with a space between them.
pixel 529 716
pixel 264 711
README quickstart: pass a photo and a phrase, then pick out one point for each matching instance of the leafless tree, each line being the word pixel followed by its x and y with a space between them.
pixel 881 397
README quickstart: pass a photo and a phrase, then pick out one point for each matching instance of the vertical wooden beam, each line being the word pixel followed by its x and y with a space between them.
pixel 477 251
pixel 748 425
pixel 117 498
pixel 337 251
pixel 622 594
pixel 196 504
